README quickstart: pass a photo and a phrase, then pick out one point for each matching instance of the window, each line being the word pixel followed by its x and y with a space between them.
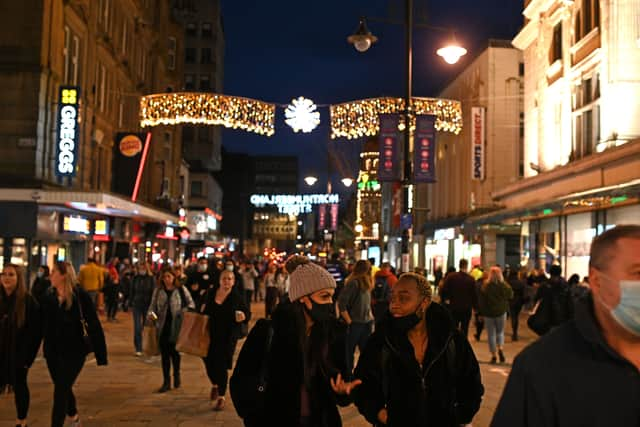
pixel 101 86
pixel 121 114
pixel 190 55
pixel 196 188
pixel 171 53
pixel 205 55
pixel 71 57
pixel 556 44
pixel 521 69
pixel 587 18
pixel 188 133
pixel 125 29
pixel 191 29
pixel 206 29
pixel 204 82
pixel 586 116
pixel 189 82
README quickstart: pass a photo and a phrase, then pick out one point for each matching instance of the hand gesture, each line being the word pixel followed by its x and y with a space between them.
pixel 340 386
pixel 383 416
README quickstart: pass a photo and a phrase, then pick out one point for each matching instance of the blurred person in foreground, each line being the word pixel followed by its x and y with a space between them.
pixel 417 370
pixel 586 372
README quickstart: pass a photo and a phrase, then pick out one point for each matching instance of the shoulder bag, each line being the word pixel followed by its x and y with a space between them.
pixel 86 338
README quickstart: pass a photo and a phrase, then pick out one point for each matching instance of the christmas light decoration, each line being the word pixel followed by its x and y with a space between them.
pixel 360 118
pixel 301 115
pixel 208 109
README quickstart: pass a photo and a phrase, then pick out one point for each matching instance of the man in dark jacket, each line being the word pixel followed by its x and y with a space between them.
pixel 586 372
pixel 200 280
pixel 555 300
pixel 459 292
pixel 444 389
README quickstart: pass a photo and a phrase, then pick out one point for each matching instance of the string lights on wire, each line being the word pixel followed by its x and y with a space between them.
pixel 208 109
pixel 360 118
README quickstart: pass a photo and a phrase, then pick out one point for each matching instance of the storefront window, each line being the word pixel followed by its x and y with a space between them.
pixel 623 215
pixel 580 233
pixel 19 252
pixel 548 245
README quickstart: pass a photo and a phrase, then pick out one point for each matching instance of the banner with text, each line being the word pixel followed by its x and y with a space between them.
pixel 67 137
pixel 478 143
pixel 390 137
pixel 424 146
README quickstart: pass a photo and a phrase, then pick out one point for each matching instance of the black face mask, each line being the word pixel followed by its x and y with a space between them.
pixel 405 323
pixel 321 312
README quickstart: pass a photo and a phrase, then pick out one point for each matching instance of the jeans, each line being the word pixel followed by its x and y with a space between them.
pixel 461 320
pixel 169 355
pixel 495 331
pixel 21 393
pixel 357 335
pixel 94 298
pixel 138 323
pixel 64 372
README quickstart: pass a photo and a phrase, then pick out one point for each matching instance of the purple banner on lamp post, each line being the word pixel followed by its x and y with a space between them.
pixel 424 149
pixel 389 138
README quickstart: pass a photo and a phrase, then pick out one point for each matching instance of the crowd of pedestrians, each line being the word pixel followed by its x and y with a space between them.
pixel 415 365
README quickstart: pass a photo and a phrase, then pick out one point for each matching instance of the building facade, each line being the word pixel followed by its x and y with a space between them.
pixel 369 202
pixel 486 156
pixel 582 146
pixel 58 147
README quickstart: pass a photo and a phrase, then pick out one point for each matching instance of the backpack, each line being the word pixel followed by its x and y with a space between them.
pixel 380 291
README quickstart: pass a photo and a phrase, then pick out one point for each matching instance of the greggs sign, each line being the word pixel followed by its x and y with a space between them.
pixel 67 141
pixel 477 143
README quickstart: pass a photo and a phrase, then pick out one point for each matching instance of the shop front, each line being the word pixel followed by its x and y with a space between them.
pixel 446 247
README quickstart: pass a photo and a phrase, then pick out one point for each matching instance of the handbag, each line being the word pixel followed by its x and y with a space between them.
pixel 86 338
pixel 150 345
pixel 194 337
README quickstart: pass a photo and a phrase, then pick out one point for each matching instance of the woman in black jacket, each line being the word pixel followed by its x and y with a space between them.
pixel 227 312
pixel 417 370
pixel 140 293
pixel 71 331
pixel 305 360
pixel 20 336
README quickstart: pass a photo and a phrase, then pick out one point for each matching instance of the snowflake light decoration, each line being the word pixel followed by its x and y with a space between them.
pixel 301 115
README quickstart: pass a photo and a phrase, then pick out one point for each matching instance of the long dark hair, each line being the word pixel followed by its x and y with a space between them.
pixel 21 295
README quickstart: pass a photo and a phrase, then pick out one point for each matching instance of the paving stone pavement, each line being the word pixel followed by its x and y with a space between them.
pixel 121 394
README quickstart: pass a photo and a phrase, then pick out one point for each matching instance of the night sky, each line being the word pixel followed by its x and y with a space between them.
pixel 278 50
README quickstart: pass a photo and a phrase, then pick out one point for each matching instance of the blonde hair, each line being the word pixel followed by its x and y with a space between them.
pixel 494 276
pixel 362 273
pixel 66 269
pixel 21 294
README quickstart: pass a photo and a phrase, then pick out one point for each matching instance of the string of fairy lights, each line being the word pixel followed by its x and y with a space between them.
pixel 350 120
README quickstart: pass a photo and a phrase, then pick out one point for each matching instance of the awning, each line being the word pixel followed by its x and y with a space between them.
pixel 91 202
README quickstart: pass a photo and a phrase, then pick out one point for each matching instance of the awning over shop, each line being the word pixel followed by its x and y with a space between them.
pixel 91 202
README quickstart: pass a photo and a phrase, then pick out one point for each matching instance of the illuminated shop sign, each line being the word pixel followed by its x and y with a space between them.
pixel 445 234
pixel 424 150
pixel 477 143
pixel 294 204
pixel 101 230
pixel 67 140
pixel 76 224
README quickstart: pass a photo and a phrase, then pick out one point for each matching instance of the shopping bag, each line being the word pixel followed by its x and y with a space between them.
pixel 150 340
pixel 194 334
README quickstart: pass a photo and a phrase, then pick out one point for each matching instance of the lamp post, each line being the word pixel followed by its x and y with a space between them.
pixel 362 40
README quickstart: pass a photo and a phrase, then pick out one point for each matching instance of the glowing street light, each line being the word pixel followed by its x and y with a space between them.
pixel 347 182
pixel 362 39
pixel 310 180
pixel 451 53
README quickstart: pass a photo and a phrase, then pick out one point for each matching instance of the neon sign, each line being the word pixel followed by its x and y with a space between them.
pixel 76 224
pixel 67 140
pixel 294 204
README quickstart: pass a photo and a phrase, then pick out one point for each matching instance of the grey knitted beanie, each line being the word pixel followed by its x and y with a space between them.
pixel 307 279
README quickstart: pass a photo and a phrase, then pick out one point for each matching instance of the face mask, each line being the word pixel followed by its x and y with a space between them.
pixel 202 268
pixel 229 267
pixel 405 323
pixel 321 312
pixel 627 312
pixel 40 274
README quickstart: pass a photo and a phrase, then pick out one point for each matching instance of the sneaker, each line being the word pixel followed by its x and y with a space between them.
pixel 138 354
pixel 220 404
pixel 493 360
pixel 501 356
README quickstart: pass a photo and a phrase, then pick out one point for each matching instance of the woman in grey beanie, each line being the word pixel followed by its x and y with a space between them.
pixel 305 360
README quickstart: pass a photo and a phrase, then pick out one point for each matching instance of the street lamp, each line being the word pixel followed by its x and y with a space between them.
pixel 347 182
pixel 310 180
pixel 362 40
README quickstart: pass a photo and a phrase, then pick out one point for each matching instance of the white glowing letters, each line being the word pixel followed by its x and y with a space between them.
pixel 67 131
pixel 293 204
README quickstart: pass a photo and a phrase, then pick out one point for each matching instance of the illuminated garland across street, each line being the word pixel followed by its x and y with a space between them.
pixel 208 109
pixel 360 118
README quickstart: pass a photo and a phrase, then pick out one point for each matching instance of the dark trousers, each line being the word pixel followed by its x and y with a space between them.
pixel 357 335
pixel 138 322
pixel 217 373
pixel 111 302
pixel 169 356
pixel 64 371
pixel 461 320
pixel 248 294
pixel 21 393
pixel 514 312
pixel 271 300
pixel 479 321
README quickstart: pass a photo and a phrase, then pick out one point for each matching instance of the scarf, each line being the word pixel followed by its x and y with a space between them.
pixel 8 333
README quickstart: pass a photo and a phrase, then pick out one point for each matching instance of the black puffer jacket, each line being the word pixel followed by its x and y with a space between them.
pixel 286 376
pixel 445 392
